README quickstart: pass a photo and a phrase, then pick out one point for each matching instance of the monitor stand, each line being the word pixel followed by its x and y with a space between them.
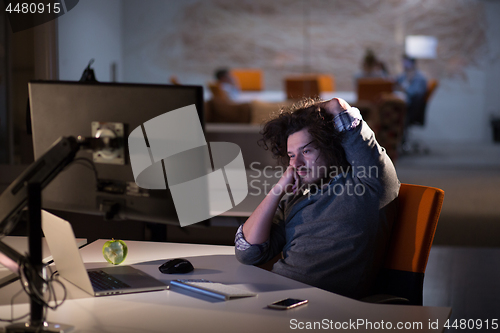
pixel 31 328
pixel 37 322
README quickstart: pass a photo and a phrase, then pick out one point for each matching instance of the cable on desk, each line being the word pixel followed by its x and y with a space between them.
pixel 29 277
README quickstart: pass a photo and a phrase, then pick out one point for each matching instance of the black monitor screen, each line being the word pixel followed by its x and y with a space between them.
pixel 61 108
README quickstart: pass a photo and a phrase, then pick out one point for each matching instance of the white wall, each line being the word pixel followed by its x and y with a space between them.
pixel 145 28
pixel 457 111
pixel 461 108
pixel 492 95
pixel 91 30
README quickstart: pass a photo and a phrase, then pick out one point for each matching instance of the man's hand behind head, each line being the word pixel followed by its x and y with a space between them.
pixel 335 106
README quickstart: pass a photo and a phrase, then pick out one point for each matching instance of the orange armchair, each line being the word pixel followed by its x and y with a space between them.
pixel 220 108
pixel 372 89
pixel 432 84
pixel 326 83
pixel 298 87
pixel 308 85
pixel 402 276
pixel 248 79
pixel 217 91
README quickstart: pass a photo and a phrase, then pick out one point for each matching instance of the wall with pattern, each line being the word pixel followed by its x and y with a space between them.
pixel 191 38
pixel 294 36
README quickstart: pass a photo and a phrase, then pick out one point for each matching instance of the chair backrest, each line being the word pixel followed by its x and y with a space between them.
pixel 412 235
pixel 248 79
pixel 418 108
pixel 389 127
pixel 372 89
pixel 217 91
pixel 302 86
pixel 411 240
pixel 326 83
pixel 432 84
pixel 174 80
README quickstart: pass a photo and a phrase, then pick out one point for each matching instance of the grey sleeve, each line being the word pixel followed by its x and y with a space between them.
pixel 371 165
pixel 255 254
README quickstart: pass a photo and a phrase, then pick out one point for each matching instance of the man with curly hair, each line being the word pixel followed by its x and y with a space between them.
pixel 331 213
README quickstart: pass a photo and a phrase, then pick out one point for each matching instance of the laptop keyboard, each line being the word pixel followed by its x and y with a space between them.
pixel 103 281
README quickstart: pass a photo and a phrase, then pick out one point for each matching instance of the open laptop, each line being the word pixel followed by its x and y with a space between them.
pixel 20 244
pixel 97 282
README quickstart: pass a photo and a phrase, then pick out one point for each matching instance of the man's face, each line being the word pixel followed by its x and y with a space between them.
pixel 306 158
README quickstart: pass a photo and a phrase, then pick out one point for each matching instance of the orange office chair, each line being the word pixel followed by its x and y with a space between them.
pixel 326 83
pixel 298 87
pixel 402 276
pixel 432 84
pixel 174 80
pixel 216 91
pixel 221 109
pixel 418 119
pixel 372 89
pixel 248 79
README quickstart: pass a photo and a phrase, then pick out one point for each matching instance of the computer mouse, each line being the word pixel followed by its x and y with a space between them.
pixel 176 266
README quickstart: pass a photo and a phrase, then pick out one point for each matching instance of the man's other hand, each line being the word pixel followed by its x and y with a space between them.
pixel 288 183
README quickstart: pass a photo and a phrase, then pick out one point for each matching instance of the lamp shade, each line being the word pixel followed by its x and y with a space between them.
pixel 421 47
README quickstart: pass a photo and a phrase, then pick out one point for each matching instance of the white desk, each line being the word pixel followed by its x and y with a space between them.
pixel 178 310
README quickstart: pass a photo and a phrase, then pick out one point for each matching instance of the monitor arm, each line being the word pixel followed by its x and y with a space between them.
pixel 42 171
pixel 15 198
pixel 25 191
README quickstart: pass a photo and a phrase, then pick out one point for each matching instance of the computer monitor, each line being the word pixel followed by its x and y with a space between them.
pixel 60 108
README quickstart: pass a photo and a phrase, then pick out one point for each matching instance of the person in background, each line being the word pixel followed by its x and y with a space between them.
pixel 227 83
pixel 413 84
pixel 328 215
pixel 371 67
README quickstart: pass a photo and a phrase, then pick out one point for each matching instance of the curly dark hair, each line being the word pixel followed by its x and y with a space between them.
pixel 306 113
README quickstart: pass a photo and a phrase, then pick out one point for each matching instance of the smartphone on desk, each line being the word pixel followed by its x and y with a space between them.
pixel 287 303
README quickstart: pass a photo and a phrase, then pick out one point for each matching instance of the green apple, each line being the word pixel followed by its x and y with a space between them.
pixel 115 251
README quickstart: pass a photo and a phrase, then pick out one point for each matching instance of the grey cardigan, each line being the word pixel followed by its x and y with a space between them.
pixel 336 239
